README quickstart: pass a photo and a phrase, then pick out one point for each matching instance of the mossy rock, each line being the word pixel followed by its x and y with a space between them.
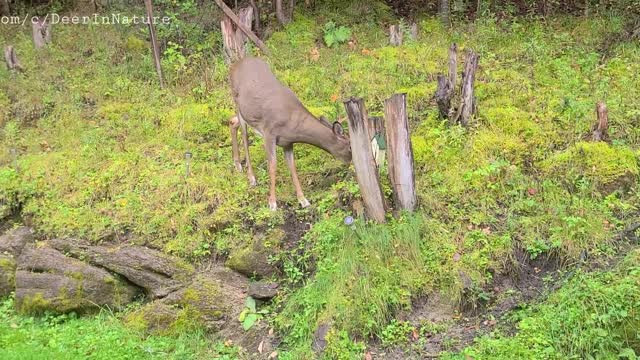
pixel 11 245
pixel 48 281
pixel 253 260
pixel 608 167
pixel 212 301
pixel 7 275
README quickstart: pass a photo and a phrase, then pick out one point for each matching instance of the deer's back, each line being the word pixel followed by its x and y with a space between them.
pixel 262 100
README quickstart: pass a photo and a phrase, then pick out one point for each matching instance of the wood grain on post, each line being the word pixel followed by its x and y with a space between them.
pixel 244 29
pixel 154 41
pixel 468 104
pixel 447 86
pixel 11 59
pixel 395 35
pixel 601 129
pixel 366 170
pixel 400 152
pixel 246 18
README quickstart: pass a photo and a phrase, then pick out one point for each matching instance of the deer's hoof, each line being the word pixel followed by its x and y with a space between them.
pixel 304 203
pixel 252 181
pixel 273 205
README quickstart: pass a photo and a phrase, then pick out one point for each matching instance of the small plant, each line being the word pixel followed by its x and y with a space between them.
pixel 249 316
pixel 396 333
pixel 335 35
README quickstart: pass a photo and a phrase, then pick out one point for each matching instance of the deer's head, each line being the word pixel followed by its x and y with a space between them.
pixel 342 148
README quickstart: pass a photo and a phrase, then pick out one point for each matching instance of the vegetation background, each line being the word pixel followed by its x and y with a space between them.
pixel 90 147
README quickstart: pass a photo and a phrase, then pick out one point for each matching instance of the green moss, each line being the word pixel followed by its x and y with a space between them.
pixel 33 304
pixel 596 161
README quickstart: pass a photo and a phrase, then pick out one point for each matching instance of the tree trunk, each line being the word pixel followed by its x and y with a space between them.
pixel 395 35
pixel 4 8
pixel 246 19
pixel 154 41
pixel 400 152
pixel 468 104
pixel 444 12
pixel 12 59
pixel 363 161
pixel 600 130
pixel 256 16
pixel 292 5
pixel 41 33
pixel 280 13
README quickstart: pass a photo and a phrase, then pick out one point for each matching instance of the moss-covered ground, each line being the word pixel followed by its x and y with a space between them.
pixel 91 147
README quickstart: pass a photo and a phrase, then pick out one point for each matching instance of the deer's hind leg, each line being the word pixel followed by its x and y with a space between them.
pixel 245 141
pixel 234 125
pixel 288 155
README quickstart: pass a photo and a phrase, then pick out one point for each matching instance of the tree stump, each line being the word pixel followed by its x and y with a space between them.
pixel 12 59
pixel 400 152
pixel 154 42
pixel 601 128
pixel 41 32
pixel 413 31
pixel 447 86
pixel 233 38
pixel 363 161
pixel 395 35
pixel 247 30
pixel 468 105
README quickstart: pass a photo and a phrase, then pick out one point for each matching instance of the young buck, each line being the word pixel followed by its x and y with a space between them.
pixel 275 113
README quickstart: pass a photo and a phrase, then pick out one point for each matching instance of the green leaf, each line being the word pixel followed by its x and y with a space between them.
pixel 250 303
pixel 249 321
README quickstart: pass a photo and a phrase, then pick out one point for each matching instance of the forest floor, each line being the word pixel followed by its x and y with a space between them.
pixel 513 253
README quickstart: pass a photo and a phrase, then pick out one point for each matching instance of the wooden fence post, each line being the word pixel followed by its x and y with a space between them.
pixel 363 161
pixel 468 105
pixel 400 152
pixel 41 32
pixel 154 41
pixel 600 130
pixel 12 59
pixel 395 35
pixel 447 86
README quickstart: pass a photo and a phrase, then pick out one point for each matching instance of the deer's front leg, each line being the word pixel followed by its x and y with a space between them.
pixel 270 148
pixel 234 125
pixel 245 140
pixel 288 155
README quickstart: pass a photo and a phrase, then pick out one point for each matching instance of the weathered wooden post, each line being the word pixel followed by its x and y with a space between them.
pixel 154 41
pixel 400 152
pixel 413 31
pixel 229 45
pixel 395 35
pixel 601 128
pixel 363 161
pixel 447 86
pixel 12 59
pixel 41 31
pixel 233 39
pixel 468 105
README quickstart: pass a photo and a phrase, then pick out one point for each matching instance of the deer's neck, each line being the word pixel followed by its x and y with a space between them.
pixel 313 132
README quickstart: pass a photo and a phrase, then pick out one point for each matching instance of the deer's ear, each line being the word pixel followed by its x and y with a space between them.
pixel 337 129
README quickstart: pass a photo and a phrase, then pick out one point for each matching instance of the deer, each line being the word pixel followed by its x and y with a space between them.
pixel 277 115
